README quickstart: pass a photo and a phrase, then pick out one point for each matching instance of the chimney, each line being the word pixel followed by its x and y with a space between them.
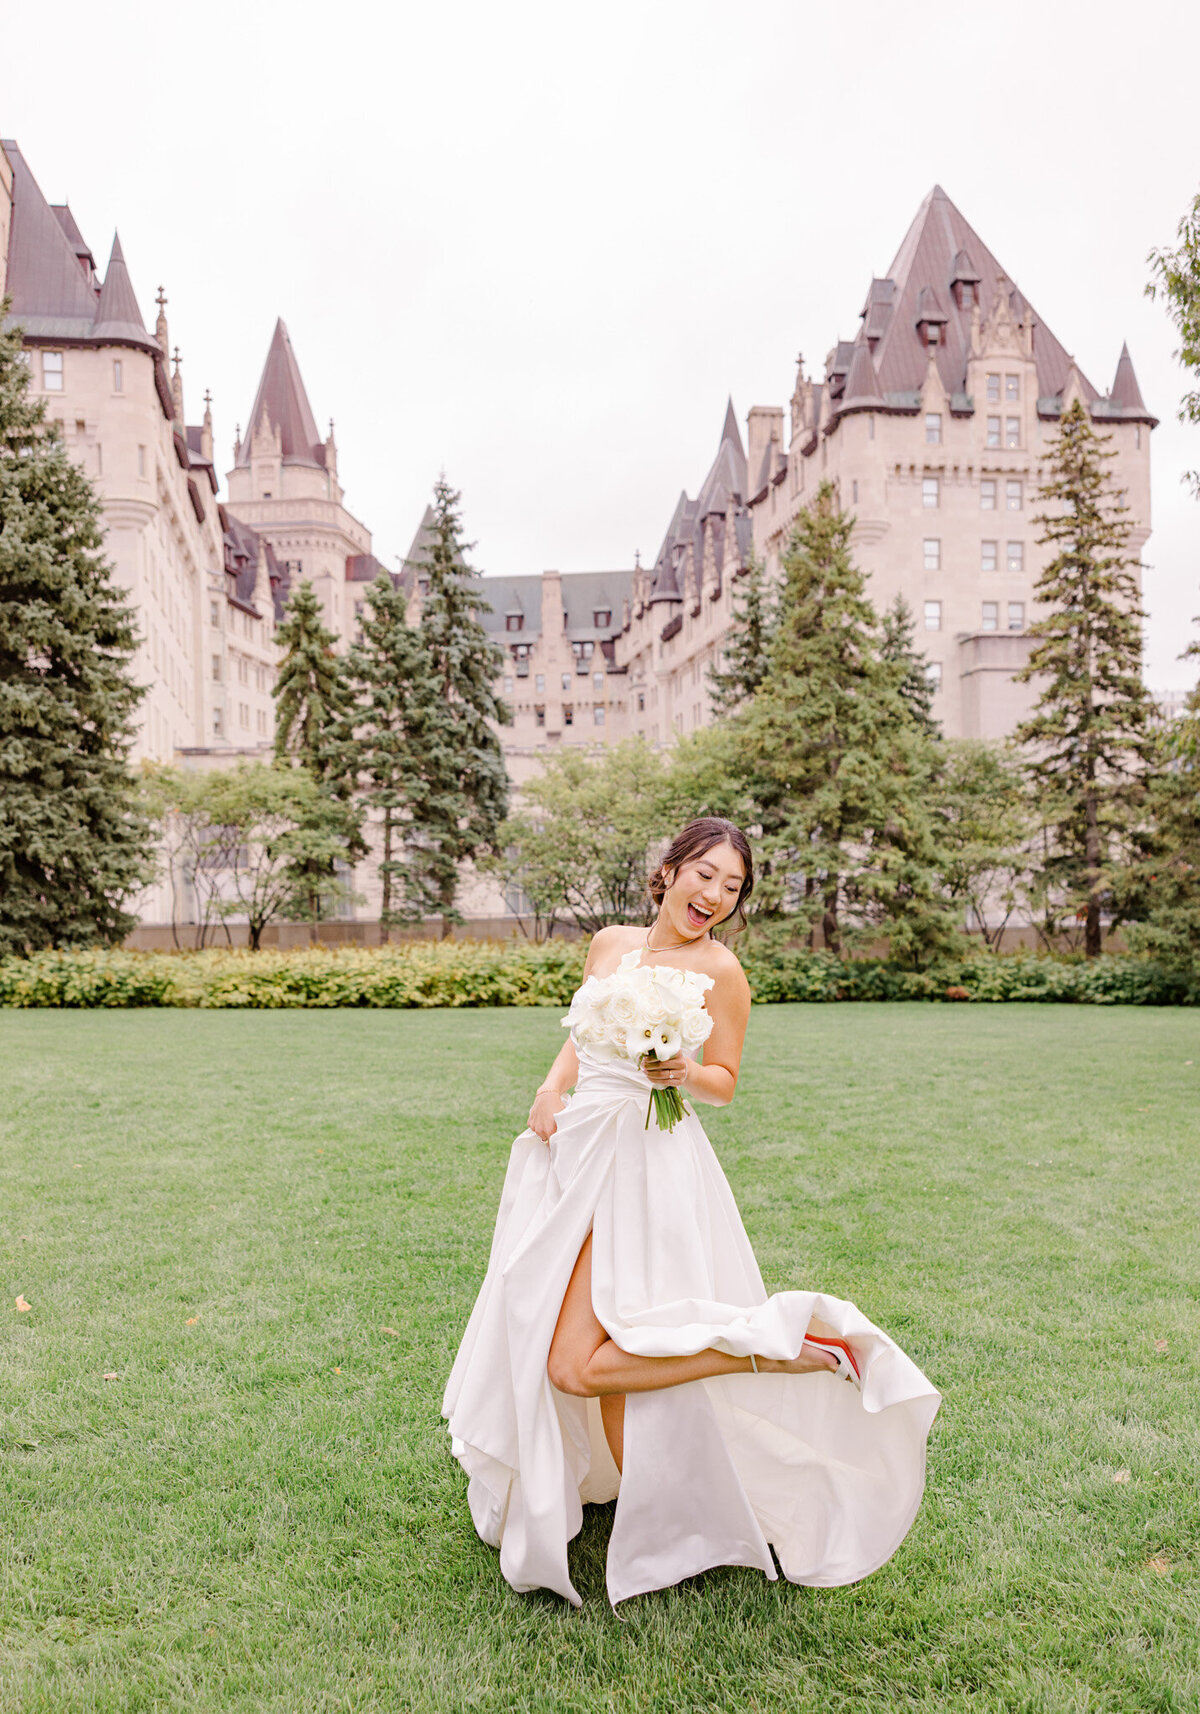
pixel 764 426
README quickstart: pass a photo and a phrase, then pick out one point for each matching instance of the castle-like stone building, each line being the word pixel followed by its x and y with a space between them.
pixel 930 423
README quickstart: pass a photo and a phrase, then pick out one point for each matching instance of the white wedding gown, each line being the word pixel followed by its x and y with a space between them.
pixel 716 1472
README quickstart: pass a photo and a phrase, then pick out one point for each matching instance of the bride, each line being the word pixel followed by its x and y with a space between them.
pixel 623 1344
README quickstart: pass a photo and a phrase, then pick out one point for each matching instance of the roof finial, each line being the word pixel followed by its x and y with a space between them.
pixel 208 400
pixel 160 326
pixel 637 559
pixel 161 299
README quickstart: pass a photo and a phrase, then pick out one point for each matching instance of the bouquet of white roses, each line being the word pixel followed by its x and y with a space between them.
pixel 637 1012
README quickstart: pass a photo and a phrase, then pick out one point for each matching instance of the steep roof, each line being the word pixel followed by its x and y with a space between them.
pixel 282 400
pixel 51 293
pixel 118 317
pixel 938 248
pixel 726 481
pixel 1125 390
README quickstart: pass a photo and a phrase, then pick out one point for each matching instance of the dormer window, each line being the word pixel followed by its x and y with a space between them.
pixel 602 617
pixel 966 294
pixel 514 621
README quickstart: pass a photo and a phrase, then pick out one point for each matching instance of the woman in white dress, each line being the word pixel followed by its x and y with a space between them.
pixel 623 1343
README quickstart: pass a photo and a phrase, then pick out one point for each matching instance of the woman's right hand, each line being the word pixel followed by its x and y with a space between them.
pixel 547 1105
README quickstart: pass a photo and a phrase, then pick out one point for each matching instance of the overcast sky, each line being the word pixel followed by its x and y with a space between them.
pixel 537 245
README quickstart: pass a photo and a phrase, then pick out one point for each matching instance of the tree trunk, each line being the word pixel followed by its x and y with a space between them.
pixel 255 931
pixel 829 921
pixel 385 900
pixel 1092 939
pixel 446 900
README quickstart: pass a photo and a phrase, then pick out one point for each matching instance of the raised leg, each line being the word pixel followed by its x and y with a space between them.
pixel 585 1361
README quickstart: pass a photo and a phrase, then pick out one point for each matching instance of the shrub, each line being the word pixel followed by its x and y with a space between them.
pixel 509 973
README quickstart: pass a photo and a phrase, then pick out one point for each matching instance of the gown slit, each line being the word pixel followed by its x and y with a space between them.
pixel 717 1471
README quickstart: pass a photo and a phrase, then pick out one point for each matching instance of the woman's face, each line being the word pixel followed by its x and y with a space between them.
pixel 703 890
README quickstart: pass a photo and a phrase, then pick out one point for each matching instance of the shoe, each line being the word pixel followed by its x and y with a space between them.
pixel 847 1367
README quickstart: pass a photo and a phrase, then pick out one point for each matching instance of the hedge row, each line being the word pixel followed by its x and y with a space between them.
pixel 490 973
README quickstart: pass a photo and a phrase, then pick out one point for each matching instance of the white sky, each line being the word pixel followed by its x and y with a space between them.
pixel 539 244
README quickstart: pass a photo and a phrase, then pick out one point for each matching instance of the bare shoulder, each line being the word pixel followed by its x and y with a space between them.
pixel 608 945
pixel 726 971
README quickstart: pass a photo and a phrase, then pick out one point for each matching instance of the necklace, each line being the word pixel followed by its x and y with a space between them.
pixel 674 946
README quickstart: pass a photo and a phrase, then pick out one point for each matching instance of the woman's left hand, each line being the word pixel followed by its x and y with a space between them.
pixel 667 1073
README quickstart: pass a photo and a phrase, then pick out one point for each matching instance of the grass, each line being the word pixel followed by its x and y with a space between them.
pixel 269 1229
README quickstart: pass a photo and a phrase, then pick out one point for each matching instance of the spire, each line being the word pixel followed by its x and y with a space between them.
pixel 862 384
pixel 117 314
pixel 206 434
pixel 1125 390
pixel 281 398
pixel 160 326
pixel 177 388
pixel 730 430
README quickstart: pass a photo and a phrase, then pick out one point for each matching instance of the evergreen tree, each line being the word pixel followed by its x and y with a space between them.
pixel 382 743
pixel 463 786
pixel 73 840
pixel 747 647
pixel 310 686
pixel 1088 736
pixel 1166 885
pixel 899 629
pixel 840 768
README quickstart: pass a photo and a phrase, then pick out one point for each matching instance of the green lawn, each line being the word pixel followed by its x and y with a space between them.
pixel 268 1227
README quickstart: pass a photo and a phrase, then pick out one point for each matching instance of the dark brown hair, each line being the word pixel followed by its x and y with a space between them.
pixel 693 841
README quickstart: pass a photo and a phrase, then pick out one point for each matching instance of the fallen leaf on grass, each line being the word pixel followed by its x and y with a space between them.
pixel 191 1321
pixel 22 1306
pixel 110 1375
pixel 1122 1476
pixel 1159 1565
pixel 1162 1344
pixel 390 1331
pixel 337 1371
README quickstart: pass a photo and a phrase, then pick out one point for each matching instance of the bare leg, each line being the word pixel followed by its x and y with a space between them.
pixel 585 1361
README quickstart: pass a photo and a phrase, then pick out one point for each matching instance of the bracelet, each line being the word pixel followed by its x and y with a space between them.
pixel 547 1089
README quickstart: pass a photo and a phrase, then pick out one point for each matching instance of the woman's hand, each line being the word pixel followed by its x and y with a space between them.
pixel 667 1073
pixel 547 1104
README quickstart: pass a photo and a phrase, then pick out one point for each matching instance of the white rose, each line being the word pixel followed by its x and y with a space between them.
pixel 695 1027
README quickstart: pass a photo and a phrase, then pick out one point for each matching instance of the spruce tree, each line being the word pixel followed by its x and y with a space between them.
pixel 899 629
pixel 73 840
pixel 838 763
pixel 310 687
pixel 1088 737
pixel 382 743
pixel 747 647
pixel 464 786
pixel 1165 895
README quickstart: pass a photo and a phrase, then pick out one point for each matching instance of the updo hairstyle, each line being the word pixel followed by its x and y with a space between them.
pixel 693 841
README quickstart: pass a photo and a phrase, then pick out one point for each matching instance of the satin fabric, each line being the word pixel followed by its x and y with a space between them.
pixel 716 1472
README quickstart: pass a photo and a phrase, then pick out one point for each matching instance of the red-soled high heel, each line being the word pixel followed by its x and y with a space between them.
pixel 847 1367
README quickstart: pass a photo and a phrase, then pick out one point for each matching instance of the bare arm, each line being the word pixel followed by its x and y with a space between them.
pixel 715 1081
pixel 563 1074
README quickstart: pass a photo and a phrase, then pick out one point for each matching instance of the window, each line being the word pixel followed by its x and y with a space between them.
pixel 422 586
pixel 933 428
pixel 1012 387
pixel 993 389
pixel 993 431
pixel 218 723
pixel 989 556
pixel 987 496
pixel 214 613
pixel 602 617
pixel 933 615
pixel 1016 556
pixel 991 616
pixel 933 672
pixel 244 714
pixel 1012 496
pixel 641 707
pixel 141 461
pixel 539 682
pixel 568 714
pixel 261 720
pixel 52 371
pixel 266 493
pixel 1137 437
pixel 933 553
pixel 598 714
pixel 870 433
pixel 118 381
pixel 929 491
pixel 598 681
pixel 512 621
pixel 539 716
pixel 854 492
pixel 508 686
pixel 566 681
pixel 1016 615
pixel 1012 431
pixel 216 669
